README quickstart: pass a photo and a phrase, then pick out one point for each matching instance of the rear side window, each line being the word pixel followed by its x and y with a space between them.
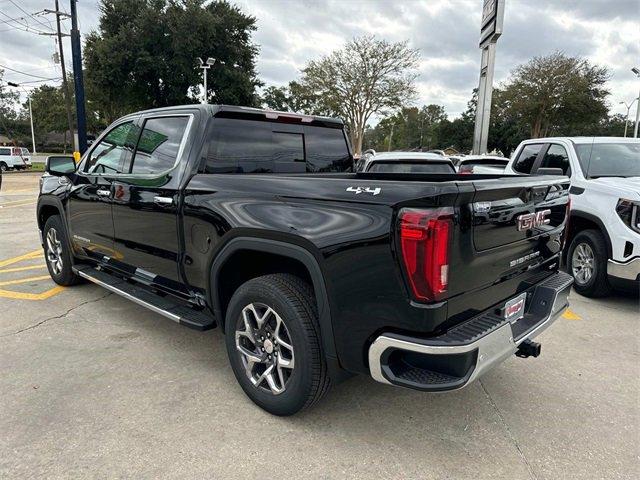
pixel 526 158
pixel 159 144
pixel 556 157
pixel 327 150
pixel 5 151
pixel 248 146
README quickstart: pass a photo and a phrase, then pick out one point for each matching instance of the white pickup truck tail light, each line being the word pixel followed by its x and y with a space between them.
pixel 425 239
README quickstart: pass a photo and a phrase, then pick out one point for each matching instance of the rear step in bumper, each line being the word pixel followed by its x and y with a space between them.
pixel 467 351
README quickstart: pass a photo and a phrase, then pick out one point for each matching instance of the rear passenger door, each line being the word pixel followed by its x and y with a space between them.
pixel 145 200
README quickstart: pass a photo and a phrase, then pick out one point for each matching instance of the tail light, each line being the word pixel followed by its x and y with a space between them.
pixel 425 238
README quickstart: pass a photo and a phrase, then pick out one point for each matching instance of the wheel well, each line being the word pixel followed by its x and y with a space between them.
pixel 577 224
pixel 44 213
pixel 243 265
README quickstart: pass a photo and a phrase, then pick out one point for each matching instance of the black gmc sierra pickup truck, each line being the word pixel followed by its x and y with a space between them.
pixel 252 220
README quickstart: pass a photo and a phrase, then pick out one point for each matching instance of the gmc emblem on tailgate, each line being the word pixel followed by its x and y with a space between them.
pixel 527 221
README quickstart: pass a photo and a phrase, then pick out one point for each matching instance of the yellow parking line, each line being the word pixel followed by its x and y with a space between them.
pixel 22 269
pixel 570 315
pixel 24 280
pixel 31 296
pixel 27 256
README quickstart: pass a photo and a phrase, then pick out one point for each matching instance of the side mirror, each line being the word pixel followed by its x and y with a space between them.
pixel 60 165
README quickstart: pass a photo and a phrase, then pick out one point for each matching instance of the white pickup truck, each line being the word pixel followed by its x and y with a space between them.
pixel 604 228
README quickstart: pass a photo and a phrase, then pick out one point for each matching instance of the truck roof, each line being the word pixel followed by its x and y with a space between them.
pixel 216 110
pixel 581 140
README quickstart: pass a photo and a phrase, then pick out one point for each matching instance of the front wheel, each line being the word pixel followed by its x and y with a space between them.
pixel 56 252
pixel 587 263
pixel 273 343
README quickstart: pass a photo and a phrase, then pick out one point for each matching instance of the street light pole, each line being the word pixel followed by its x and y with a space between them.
pixel 626 122
pixel 33 136
pixel 206 66
pixel 635 128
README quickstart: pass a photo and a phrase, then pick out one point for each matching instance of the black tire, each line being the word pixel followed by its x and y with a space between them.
pixel 293 300
pixel 597 285
pixel 3 167
pixel 61 274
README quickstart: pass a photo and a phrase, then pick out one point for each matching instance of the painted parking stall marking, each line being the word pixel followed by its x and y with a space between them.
pixel 27 278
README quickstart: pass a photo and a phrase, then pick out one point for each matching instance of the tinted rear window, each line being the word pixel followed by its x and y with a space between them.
pixel 398 167
pixel 246 146
pixel 527 158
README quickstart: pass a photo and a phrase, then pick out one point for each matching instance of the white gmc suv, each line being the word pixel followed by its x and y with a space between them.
pixel 604 229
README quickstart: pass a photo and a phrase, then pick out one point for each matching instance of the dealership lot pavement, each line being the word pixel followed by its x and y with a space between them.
pixel 94 386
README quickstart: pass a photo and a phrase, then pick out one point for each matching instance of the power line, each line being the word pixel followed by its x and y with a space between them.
pixel 23 73
pixel 29 14
pixel 26 25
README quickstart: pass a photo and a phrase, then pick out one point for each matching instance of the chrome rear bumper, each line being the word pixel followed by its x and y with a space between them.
pixel 467 351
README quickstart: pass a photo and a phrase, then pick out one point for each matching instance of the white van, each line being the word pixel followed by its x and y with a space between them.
pixel 14 157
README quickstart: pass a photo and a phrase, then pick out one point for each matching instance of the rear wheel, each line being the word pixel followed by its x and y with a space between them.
pixel 273 343
pixel 587 262
pixel 3 167
pixel 56 252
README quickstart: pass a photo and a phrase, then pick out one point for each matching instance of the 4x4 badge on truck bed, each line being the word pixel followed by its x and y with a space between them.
pixel 358 190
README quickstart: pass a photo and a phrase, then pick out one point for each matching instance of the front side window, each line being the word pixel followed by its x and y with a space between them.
pixel 109 154
pixel 556 157
pixel 526 159
pixel 159 144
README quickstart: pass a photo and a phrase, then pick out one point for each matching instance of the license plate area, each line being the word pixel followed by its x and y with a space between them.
pixel 514 309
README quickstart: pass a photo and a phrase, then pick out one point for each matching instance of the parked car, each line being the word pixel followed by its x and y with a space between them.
pixel 482 164
pixel 604 232
pixel 408 162
pixel 251 220
pixel 17 158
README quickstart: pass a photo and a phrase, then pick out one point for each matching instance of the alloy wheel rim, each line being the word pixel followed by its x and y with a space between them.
pixel 54 251
pixel 583 263
pixel 265 348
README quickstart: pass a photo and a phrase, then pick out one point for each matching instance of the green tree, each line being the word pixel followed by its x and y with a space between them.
pixel 144 54
pixel 555 95
pixel 367 77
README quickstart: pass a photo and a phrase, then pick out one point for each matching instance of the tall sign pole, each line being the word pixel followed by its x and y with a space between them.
pixel 76 53
pixel 490 31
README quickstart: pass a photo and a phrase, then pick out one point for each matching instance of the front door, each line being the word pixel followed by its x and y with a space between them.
pixel 90 200
pixel 145 201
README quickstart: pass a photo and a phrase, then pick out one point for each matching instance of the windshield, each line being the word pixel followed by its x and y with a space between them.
pixel 397 167
pixel 609 159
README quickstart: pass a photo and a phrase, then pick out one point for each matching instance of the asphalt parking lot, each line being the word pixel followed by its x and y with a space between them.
pixel 94 386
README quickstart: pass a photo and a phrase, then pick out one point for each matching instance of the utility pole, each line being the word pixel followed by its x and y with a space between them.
pixel 76 53
pixel 490 31
pixel 65 87
pixel 390 138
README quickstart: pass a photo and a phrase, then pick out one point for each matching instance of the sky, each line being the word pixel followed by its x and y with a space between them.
pixel 292 32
